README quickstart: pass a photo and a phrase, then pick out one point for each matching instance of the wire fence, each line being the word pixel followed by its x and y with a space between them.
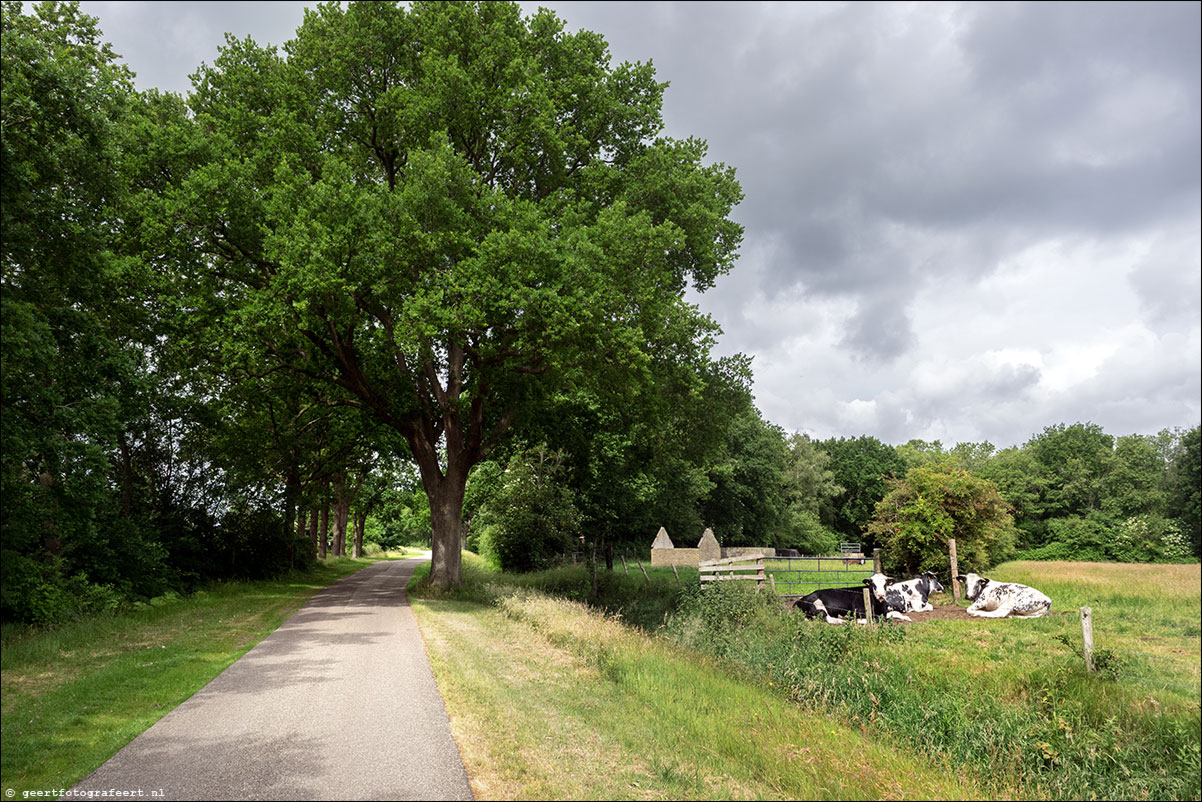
pixel 1118 663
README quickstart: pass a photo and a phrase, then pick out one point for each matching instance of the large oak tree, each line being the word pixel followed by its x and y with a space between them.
pixel 442 214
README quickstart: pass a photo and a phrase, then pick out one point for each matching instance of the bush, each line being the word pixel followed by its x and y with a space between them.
pixel 933 503
pixel 44 595
pixel 1100 538
pixel 534 517
pixel 807 534
pixel 1149 538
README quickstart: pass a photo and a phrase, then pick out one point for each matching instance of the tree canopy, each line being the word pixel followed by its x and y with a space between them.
pixel 441 213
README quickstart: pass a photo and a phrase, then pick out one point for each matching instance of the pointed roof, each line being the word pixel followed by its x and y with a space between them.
pixel 662 541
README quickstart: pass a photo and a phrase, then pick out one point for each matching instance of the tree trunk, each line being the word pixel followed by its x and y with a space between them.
pixel 325 529
pixel 292 505
pixel 360 524
pixel 446 520
pixel 313 530
pixel 127 475
pixel 342 508
pixel 462 441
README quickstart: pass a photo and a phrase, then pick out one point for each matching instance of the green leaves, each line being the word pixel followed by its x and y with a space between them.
pixel 443 215
pixel 935 502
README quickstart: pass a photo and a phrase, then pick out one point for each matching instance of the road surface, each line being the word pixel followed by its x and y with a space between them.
pixel 338 703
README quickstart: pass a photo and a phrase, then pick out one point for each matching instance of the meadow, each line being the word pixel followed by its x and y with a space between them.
pixel 1005 708
pixel 652 689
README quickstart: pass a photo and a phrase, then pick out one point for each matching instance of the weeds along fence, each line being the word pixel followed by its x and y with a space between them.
pixel 1130 664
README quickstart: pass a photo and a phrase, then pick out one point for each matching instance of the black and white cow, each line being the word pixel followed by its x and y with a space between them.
pixel 833 604
pixel 911 596
pixel 1000 599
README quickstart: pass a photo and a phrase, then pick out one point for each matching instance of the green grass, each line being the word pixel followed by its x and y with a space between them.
pixel 551 699
pixel 1005 706
pixel 1007 699
pixel 73 696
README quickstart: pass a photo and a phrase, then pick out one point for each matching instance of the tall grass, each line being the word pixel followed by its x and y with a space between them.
pixel 1007 701
pixel 1010 699
pixel 641 601
pixel 552 699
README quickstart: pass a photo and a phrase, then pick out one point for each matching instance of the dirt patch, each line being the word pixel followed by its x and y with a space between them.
pixel 947 613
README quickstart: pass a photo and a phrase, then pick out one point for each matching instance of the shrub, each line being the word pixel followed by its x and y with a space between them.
pixel 535 520
pixel 1099 538
pixel 1149 538
pixel 935 502
pixel 42 593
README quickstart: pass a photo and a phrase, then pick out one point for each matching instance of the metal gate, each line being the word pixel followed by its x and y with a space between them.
pixel 797 576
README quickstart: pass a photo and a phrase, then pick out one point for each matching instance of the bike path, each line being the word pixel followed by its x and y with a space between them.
pixel 338 703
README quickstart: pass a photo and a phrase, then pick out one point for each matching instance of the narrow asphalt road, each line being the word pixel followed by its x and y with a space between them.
pixel 338 703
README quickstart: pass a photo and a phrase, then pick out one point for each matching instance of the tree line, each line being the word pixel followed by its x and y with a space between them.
pixel 419 275
pixel 1071 492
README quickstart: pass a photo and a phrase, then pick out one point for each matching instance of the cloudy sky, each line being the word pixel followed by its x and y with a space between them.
pixel 963 222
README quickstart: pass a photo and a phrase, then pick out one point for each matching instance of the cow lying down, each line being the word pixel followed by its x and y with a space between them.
pixel 911 596
pixel 1001 599
pixel 836 604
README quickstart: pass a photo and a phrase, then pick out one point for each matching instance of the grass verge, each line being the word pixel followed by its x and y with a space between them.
pixel 73 696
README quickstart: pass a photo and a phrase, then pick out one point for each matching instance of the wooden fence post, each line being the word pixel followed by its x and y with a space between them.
pixel 868 605
pixel 876 561
pixel 1087 636
pixel 951 549
pixel 675 574
pixel 639 563
pixel 624 566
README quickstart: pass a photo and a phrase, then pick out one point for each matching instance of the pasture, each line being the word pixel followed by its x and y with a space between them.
pixel 1008 699
pixel 1004 706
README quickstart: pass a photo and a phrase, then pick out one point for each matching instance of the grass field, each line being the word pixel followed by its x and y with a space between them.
pixel 656 690
pixel 550 699
pixel 1003 707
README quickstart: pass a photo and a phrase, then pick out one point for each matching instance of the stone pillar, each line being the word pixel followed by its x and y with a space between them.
pixel 708 548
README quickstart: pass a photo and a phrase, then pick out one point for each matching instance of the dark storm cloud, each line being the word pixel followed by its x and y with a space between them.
pixel 1007 122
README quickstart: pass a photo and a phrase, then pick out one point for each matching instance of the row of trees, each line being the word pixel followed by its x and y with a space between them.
pixel 234 320
pixel 1070 492
pixel 354 288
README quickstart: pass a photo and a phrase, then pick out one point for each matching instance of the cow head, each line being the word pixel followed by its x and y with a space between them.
pixel 876 585
pixel 973 585
pixel 934 584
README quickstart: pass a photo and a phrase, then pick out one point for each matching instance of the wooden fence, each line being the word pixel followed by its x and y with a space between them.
pixel 733 568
